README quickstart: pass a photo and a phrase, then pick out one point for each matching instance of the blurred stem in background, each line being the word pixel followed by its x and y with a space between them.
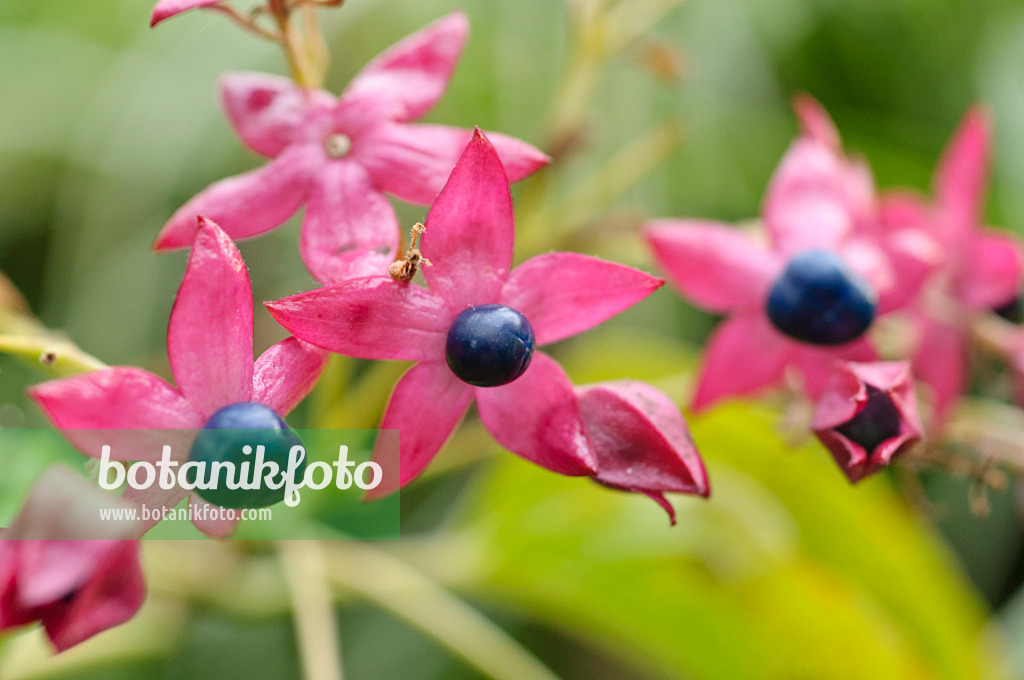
pixel 305 570
pixel 22 335
pixel 599 31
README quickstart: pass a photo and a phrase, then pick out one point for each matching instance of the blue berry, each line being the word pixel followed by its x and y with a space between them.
pixel 877 421
pixel 820 300
pixel 489 345
pixel 222 439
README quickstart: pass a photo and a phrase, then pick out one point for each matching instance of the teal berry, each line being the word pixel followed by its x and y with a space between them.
pixel 226 437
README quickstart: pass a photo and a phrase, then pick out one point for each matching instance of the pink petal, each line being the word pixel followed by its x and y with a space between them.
pixel 248 204
pixel 719 267
pixel 640 439
pixel 165 9
pixel 940 362
pixel 265 110
pixel 847 387
pixel 369 318
pixel 537 417
pixel 562 294
pixel 61 508
pixel 12 614
pixel 993 273
pixel 286 373
pixel 847 394
pixel 910 240
pixel 817 364
pixel 51 569
pixel 123 406
pixel 470 230
pixel 207 518
pixel 350 229
pixel 867 257
pixel 155 498
pixel 813 200
pixel 108 591
pixel 815 123
pixel 58 550
pixel 425 408
pixel 209 337
pixel 962 176
pixel 413 162
pixel 902 210
pixel 744 355
pixel 405 81
pixel 109 598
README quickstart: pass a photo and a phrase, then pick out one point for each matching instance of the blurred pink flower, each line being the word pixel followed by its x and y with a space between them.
pixel 469 240
pixel 76 588
pixel 338 156
pixel 209 344
pixel 868 415
pixel 817 200
pixel 980 269
pixel 165 9
pixel 641 442
pixel 865 221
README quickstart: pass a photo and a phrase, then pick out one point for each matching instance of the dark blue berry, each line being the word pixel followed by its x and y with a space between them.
pixel 224 437
pixel 1012 311
pixel 489 345
pixel 877 421
pixel 819 299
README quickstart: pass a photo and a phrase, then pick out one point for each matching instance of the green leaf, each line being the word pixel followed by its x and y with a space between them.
pixel 786 572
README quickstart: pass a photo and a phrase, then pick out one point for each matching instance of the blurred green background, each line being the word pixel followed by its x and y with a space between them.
pixel 786 573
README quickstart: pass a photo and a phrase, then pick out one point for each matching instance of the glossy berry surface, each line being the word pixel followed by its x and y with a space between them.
pixel 489 345
pixel 820 300
pixel 224 437
pixel 877 421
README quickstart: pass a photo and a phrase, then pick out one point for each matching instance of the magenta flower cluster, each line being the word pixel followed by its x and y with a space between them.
pixel 804 294
pixel 341 157
pixel 828 234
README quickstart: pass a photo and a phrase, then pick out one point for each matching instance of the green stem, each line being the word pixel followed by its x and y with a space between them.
pixel 246 22
pixel 421 602
pixel 54 355
pixel 316 630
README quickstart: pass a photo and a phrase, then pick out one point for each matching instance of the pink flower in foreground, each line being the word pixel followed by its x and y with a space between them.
pixel 76 588
pixel 469 241
pixel 822 266
pixel 981 269
pixel 338 156
pixel 209 344
pixel 641 442
pixel 867 416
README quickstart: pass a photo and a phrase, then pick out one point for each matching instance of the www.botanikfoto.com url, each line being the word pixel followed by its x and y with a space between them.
pixel 190 513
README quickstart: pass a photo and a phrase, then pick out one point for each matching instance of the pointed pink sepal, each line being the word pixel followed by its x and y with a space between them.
pixel 847 395
pixel 407 79
pixel 209 336
pixel 165 9
pixel 641 442
pixel 60 564
pixel 962 177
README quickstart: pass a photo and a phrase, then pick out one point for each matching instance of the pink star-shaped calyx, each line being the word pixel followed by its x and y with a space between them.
pixel 469 241
pixel 209 345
